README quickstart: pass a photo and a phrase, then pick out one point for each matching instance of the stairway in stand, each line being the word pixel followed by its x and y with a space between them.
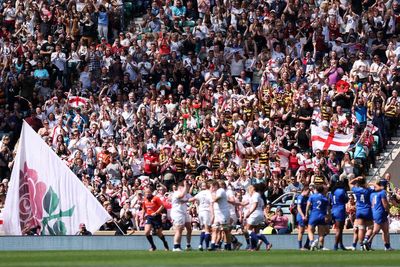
pixel 385 159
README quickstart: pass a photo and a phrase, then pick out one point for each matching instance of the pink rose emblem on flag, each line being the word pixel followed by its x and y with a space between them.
pixel 31 194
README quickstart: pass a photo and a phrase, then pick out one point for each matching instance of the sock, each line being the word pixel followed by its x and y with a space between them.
pixel 207 238
pixel 253 240
pixel 335 247
pixel 263 238
pixel 219 244
pixel 300 243
pixel 150 239
pixel 177 245
pixel 228 246
pixel 387 245
pixel 165 243
pixel 202 237
pixel 307 244
pixel 354 245
pixel 213 247
pixel 188 246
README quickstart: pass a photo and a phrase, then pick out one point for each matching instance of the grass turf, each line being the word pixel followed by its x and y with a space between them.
pixel 195 258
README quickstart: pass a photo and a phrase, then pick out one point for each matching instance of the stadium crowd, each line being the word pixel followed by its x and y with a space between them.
pixel 201 90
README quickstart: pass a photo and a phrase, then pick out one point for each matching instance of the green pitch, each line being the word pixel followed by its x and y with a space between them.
pixel 196 258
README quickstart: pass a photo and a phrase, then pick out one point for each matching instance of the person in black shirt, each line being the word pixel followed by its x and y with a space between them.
pixel 189 44
pixel 45 27
pixel 379 46
pixel 303 137
pixel 304 113
pixel 124 223
pixel 83 231
pixel 48 47
pixel 345 100
pixel 191 11
pixel 257 136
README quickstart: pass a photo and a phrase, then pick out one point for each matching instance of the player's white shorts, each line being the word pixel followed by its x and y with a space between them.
pixel 221 219
pixel 205 218
pixel 256 218
pixel 180 219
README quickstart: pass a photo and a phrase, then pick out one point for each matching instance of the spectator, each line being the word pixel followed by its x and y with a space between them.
pixel 280 222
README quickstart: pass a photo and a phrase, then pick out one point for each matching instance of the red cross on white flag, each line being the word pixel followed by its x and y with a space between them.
pixel 329 140
pixel 77 101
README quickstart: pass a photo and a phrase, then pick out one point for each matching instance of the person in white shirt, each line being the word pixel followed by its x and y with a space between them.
pixel 237 64
pixel 255 218
pixel 58 59
pixel 360 67
pixel 203 200
pixel 221 215
pixel 128 114
pixel 180 217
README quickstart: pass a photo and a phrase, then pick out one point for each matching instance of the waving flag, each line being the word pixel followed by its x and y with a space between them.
pixel 316 116
pixel 239 153
pixel 77 101
pixel 329 140
pixel 45 196
pixel 371 128
pixel 284 157
pixel 278 131
pixel 304 162
pixel 240 82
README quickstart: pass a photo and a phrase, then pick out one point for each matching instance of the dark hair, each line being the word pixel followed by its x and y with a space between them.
pixel 320 188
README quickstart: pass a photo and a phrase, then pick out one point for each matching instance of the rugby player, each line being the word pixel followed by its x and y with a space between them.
pixel 338 200
pixel 380 213
pixel 302 223
pixel 180 216
pixel 318 214
pixel 203 200
pixel 363 222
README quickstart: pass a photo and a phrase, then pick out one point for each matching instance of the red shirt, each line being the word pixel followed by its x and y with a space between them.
pixel 293 162
pixel 152 206
pixel 149 168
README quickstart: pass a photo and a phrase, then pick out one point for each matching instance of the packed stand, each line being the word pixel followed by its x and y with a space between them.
pixel 200 90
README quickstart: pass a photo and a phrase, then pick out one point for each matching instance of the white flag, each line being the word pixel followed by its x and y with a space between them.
pixel 329 140
pixel 45 196
pixel 284 155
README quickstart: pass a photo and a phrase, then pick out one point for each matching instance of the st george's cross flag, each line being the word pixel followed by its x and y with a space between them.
pixel 329 140
pixel 371 128
pixel 77 101
pixel 45 197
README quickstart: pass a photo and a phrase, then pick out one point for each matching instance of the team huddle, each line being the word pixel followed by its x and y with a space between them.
pixel 317 208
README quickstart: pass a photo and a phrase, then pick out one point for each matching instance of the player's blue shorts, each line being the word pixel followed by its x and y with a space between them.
pixel 339 215
pixel 314 221
pixel 380 218
pixel 155 221
pixel 300 221
pixel 364 214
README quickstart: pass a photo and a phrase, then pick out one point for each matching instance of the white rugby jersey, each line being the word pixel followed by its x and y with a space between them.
pixel 204 198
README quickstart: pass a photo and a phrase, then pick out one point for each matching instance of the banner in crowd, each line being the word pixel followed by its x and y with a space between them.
pixel 45 197
pixel 329 140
